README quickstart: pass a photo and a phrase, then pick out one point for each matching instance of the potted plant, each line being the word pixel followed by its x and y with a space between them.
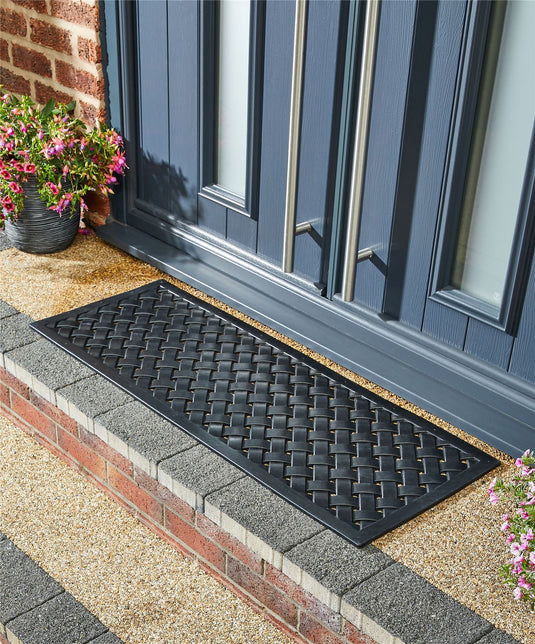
pixel 49 161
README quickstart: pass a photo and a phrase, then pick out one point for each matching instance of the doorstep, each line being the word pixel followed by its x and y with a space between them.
pixel 310 582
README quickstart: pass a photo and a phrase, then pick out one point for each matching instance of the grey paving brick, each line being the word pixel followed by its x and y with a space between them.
pixel 49 364
pixel 4 241
pixel 145 431
pixel 200 470
pixel 6 310
pixel 107 638
pixel 409 607
pixel 61 620
pixel 23 585
pixel 16 332
pixel 497 637
pixel 264 514
pixel 335 563
pixel 94 396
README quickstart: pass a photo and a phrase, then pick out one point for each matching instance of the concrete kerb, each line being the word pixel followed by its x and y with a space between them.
pixel 336 573
pixel 34 608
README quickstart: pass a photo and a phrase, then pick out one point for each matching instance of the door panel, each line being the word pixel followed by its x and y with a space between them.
pixel 397 21
pixel 183 111
pixel 421 220
pixel 153 123
pixel 275 126
pixel 318 129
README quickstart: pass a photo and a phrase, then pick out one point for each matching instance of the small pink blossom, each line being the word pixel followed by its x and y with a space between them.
pixel 528 536
pixel 516 548
pixel 15 187
pixel 517 593
pixel 522 583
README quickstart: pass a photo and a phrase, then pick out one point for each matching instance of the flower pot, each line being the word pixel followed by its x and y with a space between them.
pixel 38 229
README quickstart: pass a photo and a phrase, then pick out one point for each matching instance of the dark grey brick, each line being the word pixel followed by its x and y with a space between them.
pixel 95 395
pixel 61 620
pixel 201 470
pixel 49 364
pixel 4 241
pixel 265 514
pixel 409 607
pixel 107 638
pixel 335 563
pixel 23 585
pixel 497 637
pixel 6 310
pixel 16 332
pixel 145 431
pixel 2 536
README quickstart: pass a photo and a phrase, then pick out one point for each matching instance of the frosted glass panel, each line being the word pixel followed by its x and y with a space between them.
pixel 232 95
pixel 492 195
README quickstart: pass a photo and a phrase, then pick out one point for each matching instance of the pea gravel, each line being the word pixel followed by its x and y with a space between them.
pixel 457 545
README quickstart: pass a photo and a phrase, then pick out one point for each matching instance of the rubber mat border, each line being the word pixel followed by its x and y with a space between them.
pixel 358 537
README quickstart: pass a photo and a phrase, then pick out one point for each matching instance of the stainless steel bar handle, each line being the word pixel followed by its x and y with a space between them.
pixel 361 143
pixel 293 137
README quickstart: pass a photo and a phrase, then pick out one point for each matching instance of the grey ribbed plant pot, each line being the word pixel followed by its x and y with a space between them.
pixel 38 229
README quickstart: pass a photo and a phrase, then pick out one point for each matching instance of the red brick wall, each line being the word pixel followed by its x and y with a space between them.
pixel 51 49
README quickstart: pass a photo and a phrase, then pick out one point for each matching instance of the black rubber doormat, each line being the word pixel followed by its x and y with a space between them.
pixel 352 460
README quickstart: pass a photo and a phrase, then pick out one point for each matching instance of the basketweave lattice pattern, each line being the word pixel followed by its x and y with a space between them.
pixel 348 453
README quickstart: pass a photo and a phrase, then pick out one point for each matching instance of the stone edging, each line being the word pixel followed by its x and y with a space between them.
pixel 35 608
pixel 312 584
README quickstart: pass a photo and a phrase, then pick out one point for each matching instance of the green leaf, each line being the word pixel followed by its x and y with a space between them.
pixel 70 106
pixel 48 109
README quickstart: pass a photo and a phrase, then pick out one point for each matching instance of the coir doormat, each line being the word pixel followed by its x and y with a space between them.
pixel 350 459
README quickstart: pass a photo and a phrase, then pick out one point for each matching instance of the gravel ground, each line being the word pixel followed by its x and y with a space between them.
pixel 457 545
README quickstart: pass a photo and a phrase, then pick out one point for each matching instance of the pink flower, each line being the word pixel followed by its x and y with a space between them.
pixel 522 583
pixel 29 167
pixel 5 174
pixel 40 135
pixel 516 549
pixel 505 526
pixel 511 537
pixel 517 593
pixel 15 187
pixel 525 538
pixel 53 187
pixel 7 202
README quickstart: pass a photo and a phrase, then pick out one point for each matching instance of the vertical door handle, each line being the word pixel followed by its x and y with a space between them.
pixel 352 256
pixel 293 136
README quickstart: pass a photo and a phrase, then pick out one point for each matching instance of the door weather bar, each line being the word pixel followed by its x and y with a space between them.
pixel 352 256
pixel 293 138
